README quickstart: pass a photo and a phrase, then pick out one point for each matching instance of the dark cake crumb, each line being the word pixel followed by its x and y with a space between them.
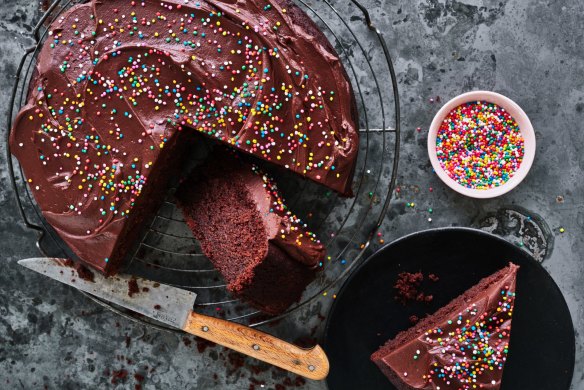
pixel 69 263
pixel 82 271
pixel 236 359
pixel 157 307
pixel 187 341
pixel 133 287
pixel 256 381
pixel 288 382
pixel 203 344
pixel 119 375
pixel 407 287
pixel 414 319
pixel 259 368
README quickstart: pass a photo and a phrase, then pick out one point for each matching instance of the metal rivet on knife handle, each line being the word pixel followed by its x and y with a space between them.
pixel 310 363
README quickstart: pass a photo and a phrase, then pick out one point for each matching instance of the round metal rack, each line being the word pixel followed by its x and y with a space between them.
pixel 168 252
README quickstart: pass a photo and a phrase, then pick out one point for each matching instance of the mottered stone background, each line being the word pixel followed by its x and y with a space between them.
pixel 53 337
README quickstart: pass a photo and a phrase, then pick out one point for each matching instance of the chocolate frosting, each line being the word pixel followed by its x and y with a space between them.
pixel 469 348
pixel 118 81
pixel 284 229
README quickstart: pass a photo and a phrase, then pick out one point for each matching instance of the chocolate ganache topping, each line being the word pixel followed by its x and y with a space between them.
pixel 461 347
pixel 120 85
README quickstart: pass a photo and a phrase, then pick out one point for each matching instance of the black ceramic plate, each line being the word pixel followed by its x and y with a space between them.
pixel 365 314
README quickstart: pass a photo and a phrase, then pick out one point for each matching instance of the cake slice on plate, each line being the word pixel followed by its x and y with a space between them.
pixel 264 252
pixel 462 346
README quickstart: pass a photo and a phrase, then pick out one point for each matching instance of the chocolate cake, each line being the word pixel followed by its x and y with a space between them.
pixel 120 85
pixel 462 346
pixel 265 253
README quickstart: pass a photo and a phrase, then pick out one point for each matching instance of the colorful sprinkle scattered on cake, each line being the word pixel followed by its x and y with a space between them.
pixel 121 86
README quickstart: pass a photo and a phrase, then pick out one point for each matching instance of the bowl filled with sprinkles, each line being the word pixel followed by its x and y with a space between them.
pixel 481 144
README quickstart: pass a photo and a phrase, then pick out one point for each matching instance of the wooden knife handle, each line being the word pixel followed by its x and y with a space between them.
pixel 310 363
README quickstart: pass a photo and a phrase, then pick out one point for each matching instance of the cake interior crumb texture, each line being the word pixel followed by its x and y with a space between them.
pixel 263 252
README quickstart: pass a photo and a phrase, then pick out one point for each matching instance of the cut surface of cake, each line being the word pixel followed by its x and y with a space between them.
pixel 120 85
pixel 264 252
pixel 462 346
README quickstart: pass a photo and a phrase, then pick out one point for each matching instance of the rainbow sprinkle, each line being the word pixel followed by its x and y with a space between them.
pixel 472 348
pixel 479 145
pixel 296 225
pixel 142 58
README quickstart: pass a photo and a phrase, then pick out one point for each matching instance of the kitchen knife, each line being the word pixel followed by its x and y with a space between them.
pixel 174 306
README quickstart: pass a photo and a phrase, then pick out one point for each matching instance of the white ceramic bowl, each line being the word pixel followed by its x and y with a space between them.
pixel 524 126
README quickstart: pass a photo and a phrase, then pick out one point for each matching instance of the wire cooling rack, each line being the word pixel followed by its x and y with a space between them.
pixel 169 254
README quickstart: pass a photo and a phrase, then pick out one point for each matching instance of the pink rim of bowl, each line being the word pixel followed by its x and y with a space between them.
pixel 524 126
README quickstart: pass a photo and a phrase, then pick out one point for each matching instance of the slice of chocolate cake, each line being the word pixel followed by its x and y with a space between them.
pixel 462 346
pixel 263 251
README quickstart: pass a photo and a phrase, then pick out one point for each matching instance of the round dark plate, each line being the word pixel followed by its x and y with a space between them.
pixel 365 314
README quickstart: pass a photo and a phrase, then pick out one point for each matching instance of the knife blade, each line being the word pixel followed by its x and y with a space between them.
pixel 174 306
pixel 167 304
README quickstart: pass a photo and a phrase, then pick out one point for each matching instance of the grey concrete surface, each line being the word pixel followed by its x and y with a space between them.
pixel 530 50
